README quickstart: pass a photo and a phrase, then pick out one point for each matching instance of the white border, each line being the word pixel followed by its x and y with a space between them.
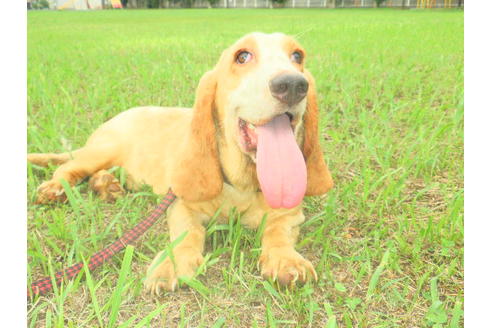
pixel 13 195
pixel 478 163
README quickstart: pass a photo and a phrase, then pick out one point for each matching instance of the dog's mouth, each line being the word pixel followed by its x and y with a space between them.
pixel 280 165
pixel 249 137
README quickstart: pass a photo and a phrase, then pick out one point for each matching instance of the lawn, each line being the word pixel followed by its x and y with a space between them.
pixel 387 242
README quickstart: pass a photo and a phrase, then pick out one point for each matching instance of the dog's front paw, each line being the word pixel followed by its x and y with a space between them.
pixel 286 266
pixel 164 275
pixel 51 191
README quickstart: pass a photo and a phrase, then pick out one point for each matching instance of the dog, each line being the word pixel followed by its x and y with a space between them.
pixel 250 142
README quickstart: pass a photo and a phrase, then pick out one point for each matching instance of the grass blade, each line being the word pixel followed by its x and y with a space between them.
pixel 168 251
pixel 196 285
pixel 150 316
pixel 219 323
pixel 457 314
pixel 332 322
pixel 92 292
pixel 270 318
pixel 116 297
pixel 377 273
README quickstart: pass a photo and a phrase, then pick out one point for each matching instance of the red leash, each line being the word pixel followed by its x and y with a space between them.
pixel 45 285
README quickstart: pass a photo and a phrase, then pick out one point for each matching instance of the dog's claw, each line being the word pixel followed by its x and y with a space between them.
pixel 164 275
pixel 286 266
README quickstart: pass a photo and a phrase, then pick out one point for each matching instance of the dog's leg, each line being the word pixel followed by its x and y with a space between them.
pixel 106 185
pixel 49 158
pixel 86 161
pixel 187 255
pixel 279 260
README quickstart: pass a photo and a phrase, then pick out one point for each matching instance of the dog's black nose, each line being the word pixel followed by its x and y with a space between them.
pixel 289 88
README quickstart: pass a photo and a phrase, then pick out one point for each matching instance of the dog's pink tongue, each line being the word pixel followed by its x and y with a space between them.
pixel 280 164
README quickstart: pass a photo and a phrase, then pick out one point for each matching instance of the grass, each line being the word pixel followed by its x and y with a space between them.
pixel 387 242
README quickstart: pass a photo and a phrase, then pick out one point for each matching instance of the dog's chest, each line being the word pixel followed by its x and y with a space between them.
pixel 249 207
pixel 233 203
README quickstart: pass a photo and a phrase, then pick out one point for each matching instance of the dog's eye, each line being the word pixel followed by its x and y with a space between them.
pixel 243 57
pixel 296 57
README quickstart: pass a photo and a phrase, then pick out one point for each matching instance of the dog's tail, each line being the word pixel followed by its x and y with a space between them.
pixel 50 158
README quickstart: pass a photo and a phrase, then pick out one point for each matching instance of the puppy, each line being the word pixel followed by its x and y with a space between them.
pixel 250 142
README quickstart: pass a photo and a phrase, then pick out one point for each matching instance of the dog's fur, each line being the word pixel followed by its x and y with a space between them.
pixel 196 152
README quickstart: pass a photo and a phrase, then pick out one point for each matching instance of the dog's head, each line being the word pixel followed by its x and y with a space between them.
pixel 264 99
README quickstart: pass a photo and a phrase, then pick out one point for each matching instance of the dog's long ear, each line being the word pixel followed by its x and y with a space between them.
pixel 197 175
pixel 319 179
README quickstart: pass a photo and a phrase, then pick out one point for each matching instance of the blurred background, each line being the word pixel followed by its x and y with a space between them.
pixel 134 4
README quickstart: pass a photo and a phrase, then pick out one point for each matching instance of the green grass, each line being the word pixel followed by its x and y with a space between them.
pixel 387 242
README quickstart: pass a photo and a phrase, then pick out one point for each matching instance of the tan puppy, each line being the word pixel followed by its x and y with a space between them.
pixel 250 142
